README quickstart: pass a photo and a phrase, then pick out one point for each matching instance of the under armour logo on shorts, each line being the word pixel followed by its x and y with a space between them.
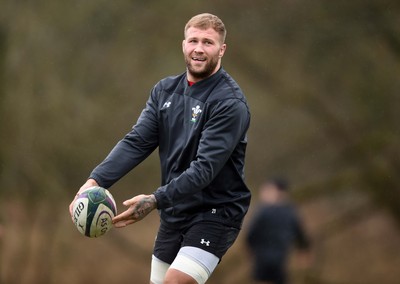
pixel 204 242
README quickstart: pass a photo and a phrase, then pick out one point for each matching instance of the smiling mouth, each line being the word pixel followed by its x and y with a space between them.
pixel 200 59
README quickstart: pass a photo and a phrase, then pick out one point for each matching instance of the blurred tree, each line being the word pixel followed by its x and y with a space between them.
pixel 2 83
pixel 338 62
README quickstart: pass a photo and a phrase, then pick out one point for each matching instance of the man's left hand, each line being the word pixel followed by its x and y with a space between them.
pixel 139 207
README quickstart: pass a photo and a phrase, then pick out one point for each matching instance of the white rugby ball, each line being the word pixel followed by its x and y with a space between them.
pixel 93 211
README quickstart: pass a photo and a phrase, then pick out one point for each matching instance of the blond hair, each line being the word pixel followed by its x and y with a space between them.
pixel 205 21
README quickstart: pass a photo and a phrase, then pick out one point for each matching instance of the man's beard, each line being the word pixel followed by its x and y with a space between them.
pixel 208 69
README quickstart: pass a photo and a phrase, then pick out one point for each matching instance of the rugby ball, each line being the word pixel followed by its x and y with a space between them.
pixel 93 211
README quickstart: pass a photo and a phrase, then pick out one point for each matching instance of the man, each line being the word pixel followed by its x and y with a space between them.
pixel 199 121
pixel 273 230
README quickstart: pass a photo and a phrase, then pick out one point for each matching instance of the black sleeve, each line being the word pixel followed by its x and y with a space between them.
pixel 222 132
pixel 136 146
pixel 301 239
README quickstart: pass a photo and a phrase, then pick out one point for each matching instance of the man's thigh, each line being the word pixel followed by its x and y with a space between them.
pixel 167 244
pixel 212 237
pixel 193 252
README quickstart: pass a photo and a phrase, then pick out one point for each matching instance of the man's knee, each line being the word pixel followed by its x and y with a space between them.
pixel 174 276
pixel 193 265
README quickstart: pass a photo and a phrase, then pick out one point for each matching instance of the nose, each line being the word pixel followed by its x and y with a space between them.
pixel 199 48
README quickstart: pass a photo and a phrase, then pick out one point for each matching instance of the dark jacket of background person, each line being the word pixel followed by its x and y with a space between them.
pixel 274 229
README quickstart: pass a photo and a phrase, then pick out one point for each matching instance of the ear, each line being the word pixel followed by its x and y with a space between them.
pixel 222 50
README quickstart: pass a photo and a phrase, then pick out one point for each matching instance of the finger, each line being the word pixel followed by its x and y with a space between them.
pixel 71 207
pixel 129 202
pixel 132 201
pixel 123 224
pixel 126 215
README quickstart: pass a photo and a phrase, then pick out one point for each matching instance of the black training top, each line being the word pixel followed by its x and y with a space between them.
pixel 201 134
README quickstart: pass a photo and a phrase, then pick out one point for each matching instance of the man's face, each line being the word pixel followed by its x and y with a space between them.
pixel 203 51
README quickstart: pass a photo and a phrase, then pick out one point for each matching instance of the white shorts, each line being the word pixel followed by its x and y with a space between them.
pixel 195 262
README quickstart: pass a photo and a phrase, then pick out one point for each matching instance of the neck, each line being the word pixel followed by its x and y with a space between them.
pixel 194 79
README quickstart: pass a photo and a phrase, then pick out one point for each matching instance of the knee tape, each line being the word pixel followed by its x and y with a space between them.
pixel 158 270
pixel 195 262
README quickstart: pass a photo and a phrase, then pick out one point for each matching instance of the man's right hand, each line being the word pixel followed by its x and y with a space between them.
pixel 89 183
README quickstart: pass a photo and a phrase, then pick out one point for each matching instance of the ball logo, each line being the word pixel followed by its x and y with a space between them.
pixel 103 223
pixel 78 210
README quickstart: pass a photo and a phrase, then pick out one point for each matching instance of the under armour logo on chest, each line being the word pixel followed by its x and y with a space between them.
pixel 167 105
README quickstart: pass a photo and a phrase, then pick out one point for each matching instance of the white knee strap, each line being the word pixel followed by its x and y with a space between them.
pixel 158 270
pixel 195 262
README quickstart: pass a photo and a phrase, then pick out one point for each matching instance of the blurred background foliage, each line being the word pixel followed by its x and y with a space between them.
pixel 322 81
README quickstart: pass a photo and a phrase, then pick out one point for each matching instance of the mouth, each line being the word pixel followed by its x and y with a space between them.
pixel 199 59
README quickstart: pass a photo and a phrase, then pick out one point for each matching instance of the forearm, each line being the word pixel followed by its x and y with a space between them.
pixel 136 146
pixel 126 155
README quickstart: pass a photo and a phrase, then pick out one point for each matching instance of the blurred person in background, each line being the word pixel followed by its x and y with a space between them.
pixel 274 229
